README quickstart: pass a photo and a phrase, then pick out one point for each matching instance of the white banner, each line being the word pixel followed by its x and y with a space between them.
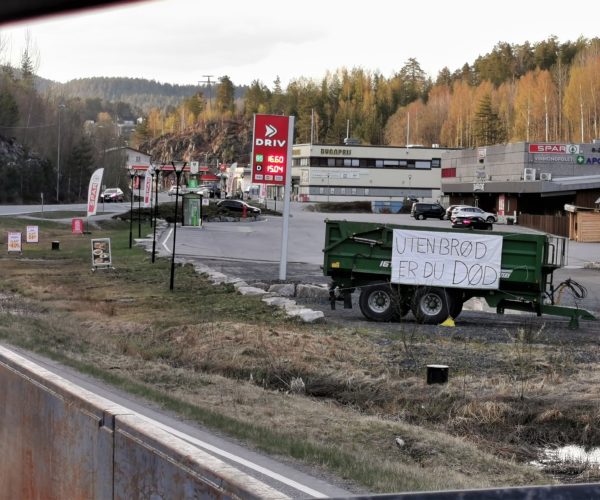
pixel 457 260
pixel 94 191
pixel 147 189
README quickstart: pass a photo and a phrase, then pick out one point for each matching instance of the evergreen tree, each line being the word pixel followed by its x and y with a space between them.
pixel 9 110
pixel 225 95
pixel 488 128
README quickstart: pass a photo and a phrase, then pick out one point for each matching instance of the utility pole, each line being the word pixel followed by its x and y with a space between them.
pixel 207 81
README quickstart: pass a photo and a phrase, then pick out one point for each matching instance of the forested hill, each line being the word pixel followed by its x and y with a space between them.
pixel 140 93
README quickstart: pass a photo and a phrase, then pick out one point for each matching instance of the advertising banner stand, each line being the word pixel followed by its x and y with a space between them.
pixel 101 254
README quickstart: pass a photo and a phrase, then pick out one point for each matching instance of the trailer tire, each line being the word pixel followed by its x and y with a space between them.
pixel 430 305
pixel 380 302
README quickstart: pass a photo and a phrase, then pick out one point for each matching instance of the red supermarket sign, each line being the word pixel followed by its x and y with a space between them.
pixel 565 149
pixel 271 148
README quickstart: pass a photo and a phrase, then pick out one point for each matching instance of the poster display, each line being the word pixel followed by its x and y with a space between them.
pixel 444 259
pixel 32 235
pixel 14 242
pixel 101 255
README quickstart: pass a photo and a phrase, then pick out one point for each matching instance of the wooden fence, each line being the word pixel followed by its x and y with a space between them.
pixel 553 224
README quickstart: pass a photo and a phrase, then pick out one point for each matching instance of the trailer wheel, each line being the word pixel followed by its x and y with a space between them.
pixel 430 305
pixel 380 302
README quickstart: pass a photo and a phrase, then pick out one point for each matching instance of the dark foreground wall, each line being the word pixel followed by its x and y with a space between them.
pixel 60 441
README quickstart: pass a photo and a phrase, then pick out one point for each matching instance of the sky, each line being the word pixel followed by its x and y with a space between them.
pixel 184 41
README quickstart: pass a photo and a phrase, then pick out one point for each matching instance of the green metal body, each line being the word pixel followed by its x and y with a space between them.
pixel 357 254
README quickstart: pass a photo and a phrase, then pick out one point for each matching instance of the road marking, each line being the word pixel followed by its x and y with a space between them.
pixel 167 239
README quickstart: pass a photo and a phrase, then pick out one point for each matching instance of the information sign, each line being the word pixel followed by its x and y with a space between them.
pixel 14 242
pixel 101 255
pixel 32 234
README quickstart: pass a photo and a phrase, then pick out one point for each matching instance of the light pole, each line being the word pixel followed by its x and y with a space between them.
pixel 156 171
pixel 178 166
pixel 60 106
pixel 139 206
pixel 132 175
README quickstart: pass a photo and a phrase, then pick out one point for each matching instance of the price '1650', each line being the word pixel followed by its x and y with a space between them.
pixel 276 159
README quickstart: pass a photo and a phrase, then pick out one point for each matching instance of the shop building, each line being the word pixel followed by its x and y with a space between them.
pixel 524 177
pixel 322 173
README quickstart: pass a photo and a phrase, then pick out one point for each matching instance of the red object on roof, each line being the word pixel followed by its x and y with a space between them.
pixel 208 178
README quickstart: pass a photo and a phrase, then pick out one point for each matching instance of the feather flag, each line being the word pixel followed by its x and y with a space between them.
pixel 94 191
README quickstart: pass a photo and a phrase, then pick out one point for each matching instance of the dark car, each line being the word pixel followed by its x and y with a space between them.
pixel 473 222
pixel 112 194
pixel 238 206
pixel 422 211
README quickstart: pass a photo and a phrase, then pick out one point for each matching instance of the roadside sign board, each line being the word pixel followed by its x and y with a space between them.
pixel 32 234
pixel 101 255
pixel 271 146
pixel 77 226
pixel 14 242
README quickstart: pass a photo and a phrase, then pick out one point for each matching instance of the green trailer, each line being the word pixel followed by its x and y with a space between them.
pixel 433 271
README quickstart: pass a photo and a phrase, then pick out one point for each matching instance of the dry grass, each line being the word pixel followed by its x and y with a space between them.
pixel 234 356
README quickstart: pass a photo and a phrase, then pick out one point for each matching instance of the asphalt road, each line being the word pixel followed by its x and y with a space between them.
pixel 251 249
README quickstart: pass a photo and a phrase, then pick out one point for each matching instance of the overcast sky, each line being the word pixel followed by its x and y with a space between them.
pixel 181 41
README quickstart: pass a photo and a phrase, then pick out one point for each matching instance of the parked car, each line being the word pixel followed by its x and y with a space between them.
pixel 173 190
pixel 203 190
pixel 112 194
pixel 472 222
pixel 238 206
pixel 422 211
pixel 451 208
pixel 473 211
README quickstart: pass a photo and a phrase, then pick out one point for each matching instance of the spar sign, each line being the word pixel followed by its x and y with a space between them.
pixel 271 148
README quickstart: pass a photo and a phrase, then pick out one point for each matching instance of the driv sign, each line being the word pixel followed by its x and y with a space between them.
pixel 271 149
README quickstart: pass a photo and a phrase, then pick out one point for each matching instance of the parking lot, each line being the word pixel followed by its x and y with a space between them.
pixel 250 250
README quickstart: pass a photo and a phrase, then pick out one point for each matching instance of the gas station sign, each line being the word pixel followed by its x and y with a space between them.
pixel 271 147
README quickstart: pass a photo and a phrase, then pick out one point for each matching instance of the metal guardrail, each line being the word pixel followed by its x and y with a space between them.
pixel 586 491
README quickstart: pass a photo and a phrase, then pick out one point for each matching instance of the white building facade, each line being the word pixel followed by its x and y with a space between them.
pixel 326 173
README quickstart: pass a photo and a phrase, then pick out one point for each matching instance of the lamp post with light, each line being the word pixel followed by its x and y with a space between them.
pixel 139 206
pixel 60 106
pixel 156 176
pixel 132 175
pixel 178 167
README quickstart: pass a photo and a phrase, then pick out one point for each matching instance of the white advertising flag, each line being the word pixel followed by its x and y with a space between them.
pixel 94 191
pixel 147 188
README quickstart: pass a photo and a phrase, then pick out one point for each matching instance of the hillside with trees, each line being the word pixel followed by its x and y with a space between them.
pixel 545 91
pixel 530 92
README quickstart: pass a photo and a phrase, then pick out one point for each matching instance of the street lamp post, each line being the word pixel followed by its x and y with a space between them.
pixel 139 206
pixel 178 166
pixel 60 106
pixel 156 171
pixel 132 176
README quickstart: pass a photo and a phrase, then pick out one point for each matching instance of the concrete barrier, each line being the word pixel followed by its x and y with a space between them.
pixel 60 441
